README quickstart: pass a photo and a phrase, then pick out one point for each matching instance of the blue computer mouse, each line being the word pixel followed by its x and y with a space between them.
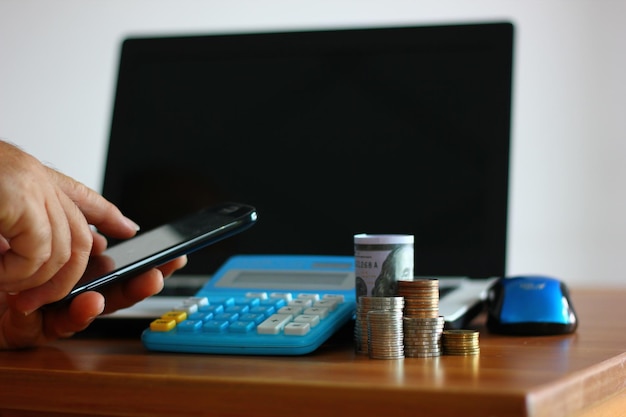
pixel 530 305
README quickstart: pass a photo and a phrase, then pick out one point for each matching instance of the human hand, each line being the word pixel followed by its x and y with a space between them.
pixel 45 233
pixel 18 330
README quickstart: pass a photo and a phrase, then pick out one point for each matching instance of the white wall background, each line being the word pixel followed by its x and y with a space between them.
pixel 58 63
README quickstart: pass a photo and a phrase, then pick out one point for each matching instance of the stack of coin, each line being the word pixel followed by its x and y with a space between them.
pixel 460 342
pixel 422 336
pixel 422 323
pixel 367 304
pixel 421 297
pixel 384 334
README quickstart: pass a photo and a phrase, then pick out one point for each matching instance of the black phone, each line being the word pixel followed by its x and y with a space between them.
pixel 164 243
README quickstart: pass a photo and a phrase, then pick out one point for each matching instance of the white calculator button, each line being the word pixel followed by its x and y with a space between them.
pixel 287 296
pixel 291 309
pixel 297 329
pixel 302 302
pixel 188 308
pixel 260 295
pixel 329 304
pixel 309 296
pixel 320 311
pixel 340 298
pixel 274 324
pixel 199 301
pixel 312 319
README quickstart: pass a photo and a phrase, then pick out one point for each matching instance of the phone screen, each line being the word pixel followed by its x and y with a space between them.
pixel 164 243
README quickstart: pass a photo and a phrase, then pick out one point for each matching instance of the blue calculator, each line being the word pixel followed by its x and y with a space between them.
pixel 261 305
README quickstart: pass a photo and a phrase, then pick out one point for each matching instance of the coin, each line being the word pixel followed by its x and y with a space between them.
pixel 461 342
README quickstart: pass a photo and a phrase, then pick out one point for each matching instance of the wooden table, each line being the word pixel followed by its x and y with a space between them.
pixel 551 376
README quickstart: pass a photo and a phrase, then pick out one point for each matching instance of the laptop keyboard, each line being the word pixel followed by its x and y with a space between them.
pixel 187 286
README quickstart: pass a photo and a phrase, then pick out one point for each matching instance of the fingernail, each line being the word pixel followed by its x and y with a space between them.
pixel 132 224
pixel 16 303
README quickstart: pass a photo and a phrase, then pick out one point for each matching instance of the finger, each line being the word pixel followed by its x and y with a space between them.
pixel 4 245
pixel 59 281
pixel 99 243
pixel 28 245
pixel 26 201
pixel 128 292
pixel 23 331
pixel 38 245
pixel 172 266
pixel 19 330
pixel 97 210
pixel 65 322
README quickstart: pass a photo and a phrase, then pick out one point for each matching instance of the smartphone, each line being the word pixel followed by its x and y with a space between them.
pixel 164 243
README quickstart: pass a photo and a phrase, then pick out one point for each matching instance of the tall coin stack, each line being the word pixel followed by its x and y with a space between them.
pixel 385 334
pixel 422 324
pixel 369 304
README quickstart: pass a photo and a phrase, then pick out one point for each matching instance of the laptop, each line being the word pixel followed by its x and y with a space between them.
pixel 328 133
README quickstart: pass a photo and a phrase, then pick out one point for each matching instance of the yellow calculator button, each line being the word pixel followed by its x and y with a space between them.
pixel 175 315
pixel 162 325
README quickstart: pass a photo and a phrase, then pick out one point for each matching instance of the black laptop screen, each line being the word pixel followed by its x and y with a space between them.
pixel 329 133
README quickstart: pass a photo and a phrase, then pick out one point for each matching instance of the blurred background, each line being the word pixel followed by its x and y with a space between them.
pixel 58 67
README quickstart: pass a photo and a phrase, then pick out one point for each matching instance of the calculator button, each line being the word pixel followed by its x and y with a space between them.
pixel 297 329
pixel 247 301
pixel 227 317
pixel 240 309
pixel 302 302
pixel 274 302
pixel 188 308
pixel 312 297
pixel 201 316
pixel 265 310
pixel 241 326
pixel 213 308
pixel 340 298
pixel 290 309
pixel 274 324
pixel 255 318
pixel 312 319
pixel 260 295
pixel 226 301
pixel 215 326
pixel 329 304
pixel 320 311
pixel 287 296
pixel 189 326
pixel 162 325
pixel 199 301
pixel 177 316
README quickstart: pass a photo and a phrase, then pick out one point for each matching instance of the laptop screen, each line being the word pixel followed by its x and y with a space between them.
pixel 328 133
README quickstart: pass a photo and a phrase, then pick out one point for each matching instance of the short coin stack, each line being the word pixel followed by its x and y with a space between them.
pixel 460 342
pixel 422 337
pixel 369 304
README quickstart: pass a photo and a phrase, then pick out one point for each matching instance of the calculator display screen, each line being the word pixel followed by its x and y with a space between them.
pixel 293 280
